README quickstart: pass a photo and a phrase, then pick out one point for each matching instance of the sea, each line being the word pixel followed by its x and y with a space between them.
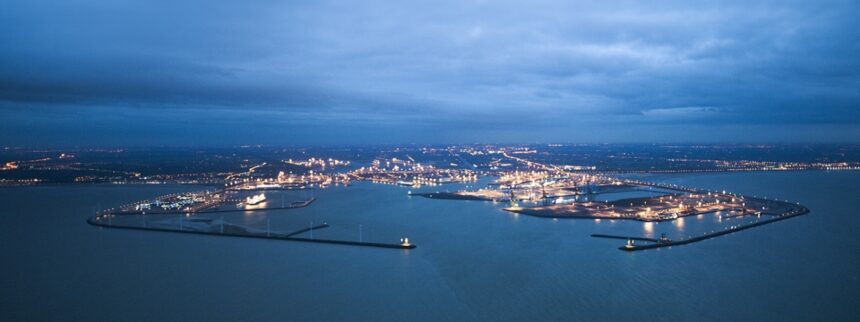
pixel 473 260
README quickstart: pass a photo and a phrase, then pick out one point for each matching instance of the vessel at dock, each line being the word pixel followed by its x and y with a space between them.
pixel 255 199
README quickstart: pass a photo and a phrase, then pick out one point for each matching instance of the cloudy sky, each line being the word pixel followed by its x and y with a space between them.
pixel 214 72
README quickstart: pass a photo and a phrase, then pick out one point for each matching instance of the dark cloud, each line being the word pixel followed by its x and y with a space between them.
pixel 387 71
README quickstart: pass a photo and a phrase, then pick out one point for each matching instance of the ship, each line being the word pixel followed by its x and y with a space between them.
pixel 255 199
pixel 264 186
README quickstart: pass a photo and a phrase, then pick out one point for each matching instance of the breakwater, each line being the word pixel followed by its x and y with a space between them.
pixel 800 210
pixel 449 195
pixel 229 230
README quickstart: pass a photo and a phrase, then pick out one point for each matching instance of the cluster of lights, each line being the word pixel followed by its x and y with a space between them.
pixel 411 173
pixel 191 201
pixel 318 163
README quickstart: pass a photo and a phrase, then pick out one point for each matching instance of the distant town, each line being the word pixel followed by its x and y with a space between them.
pixel 418 165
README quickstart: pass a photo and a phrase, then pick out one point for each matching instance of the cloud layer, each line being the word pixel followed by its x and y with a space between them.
pixel 434 71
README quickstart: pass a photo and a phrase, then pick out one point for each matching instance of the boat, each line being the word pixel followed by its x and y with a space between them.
pixel 255 199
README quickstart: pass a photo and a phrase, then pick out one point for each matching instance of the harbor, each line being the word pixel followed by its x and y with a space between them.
pixel 192 213
pixel 202 202
pixel 499 238
pixel 555 193
pixel 797 210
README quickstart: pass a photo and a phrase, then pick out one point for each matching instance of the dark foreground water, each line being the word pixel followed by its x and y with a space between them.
pixel 473 261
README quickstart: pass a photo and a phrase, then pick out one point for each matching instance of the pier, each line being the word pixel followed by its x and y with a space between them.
pixel 238 231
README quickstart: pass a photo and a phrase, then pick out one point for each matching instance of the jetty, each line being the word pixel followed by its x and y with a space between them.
pixel 220 228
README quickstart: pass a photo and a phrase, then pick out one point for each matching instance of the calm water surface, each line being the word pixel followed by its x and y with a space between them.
pixel 473 261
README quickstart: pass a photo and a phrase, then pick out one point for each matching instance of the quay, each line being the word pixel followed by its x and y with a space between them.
pixel 294 205
pixel 237 231
pixel 283 187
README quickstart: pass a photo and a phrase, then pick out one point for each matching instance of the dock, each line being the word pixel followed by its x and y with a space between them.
pixel 293 205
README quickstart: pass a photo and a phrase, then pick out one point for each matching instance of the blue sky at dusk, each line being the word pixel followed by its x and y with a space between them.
pixel 98 72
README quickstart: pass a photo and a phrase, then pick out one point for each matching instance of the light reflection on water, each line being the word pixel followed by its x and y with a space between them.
pixel 679 223
pixel 649 228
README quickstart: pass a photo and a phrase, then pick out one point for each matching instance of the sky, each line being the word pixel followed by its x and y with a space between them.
pixel 215 72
